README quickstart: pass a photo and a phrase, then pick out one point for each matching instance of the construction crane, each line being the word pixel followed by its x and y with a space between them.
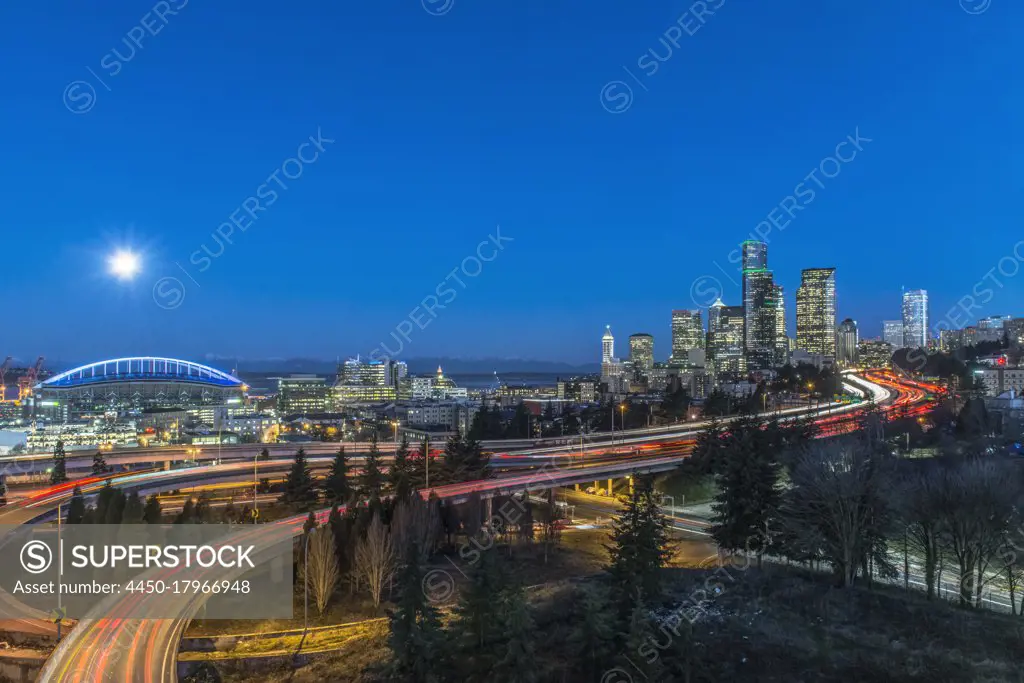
pixel 29 379
pixel 3 378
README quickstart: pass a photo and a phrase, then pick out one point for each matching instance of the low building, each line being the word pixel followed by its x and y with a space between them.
pixel 999 380
pixel 874 353
pixel 77 437
pixel 303 394
pixel 578 390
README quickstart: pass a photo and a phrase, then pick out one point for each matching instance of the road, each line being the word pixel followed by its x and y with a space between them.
pixel 105 646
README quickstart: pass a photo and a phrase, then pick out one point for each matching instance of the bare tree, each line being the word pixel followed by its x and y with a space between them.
pixel 323 567
pixel 375 558
pixel 417 521
pixel 836 508
pixel 919 504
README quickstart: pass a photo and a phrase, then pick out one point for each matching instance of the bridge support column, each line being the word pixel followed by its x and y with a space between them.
pixel 487 510
pixel 611 484
pixel 167 465
pixel 597 486
pixel 631 480
pixel 577 486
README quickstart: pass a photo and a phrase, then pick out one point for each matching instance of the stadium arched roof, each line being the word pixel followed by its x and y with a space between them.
pixel 141 369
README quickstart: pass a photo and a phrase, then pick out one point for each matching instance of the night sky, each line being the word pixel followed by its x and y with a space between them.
pixel 453 117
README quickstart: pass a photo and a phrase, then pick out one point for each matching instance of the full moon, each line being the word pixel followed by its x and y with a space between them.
pixel 124 265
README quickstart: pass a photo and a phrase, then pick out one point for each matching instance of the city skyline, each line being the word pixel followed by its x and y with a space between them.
pixel 415 163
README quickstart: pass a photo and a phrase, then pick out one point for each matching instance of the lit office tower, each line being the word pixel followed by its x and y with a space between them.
pixel 847 343
pixel 607 345
pixel 892 333
pixel 641 351
pixel 915 319
pixel 759 307
pixel 725 339
pixel 816 311
pixel 781 340
pixel 687 333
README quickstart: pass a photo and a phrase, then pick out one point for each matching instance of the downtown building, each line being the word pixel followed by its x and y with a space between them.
pixel 760 303
pixel 816 312
pixel 915 319
pixel 641 353
pixel 725 340
pixel 847 344
pixel 875 353
pixel 687 336
pixel 892 333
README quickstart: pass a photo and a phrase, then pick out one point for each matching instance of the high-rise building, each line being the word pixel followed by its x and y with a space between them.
pixel 607 345
pixel 874 353
pixel 781 340
pixel 725 340
pixel 641 351
pixel 816 312
pixel 1014 329
pixel 892 333
pixel 847 344
pixel 759 308
pixel 915 319
pixel 687 333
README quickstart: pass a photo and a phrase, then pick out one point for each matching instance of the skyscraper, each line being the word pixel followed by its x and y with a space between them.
pixel 892 333
pixel 641 351
pixel 759 308
pixel 725 340
pixel 781 340
pixel 915 319
pixel 816 311
pixel 847 343
pixel 687 333
pixel 607 345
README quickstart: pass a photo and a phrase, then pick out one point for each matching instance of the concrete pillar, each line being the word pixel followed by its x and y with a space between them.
pixel 487 510
pixel 611 483
pixel 631 485
pixel 597 485
pixel 577 486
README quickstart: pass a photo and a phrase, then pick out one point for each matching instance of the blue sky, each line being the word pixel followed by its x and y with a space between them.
pixel 492 113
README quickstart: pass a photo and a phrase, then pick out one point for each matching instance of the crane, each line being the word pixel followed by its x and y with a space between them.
pixel 3 378
pixel 28 380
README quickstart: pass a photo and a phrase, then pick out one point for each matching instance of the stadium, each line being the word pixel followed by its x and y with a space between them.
pixel 131 384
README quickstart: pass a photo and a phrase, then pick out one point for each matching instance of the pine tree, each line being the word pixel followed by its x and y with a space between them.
pixel 748 496
pixel 133 510
pixel 708 450
pixel 99 465
pixel 151 514
pixel 419 464
pixel 452 467
pixel 400 474
pixel 476 464
pixel 640 547
pixel 76 507
pixel 104 500
pixel 59 474
pixel 518 662
pixel 476 627
pixel 298 487
pixel 593 636
pixel 336 487
pixel 416 640
pixel 115 508
pixel 371 480
pixel 309 524
pixel 638 642
pixel 187 514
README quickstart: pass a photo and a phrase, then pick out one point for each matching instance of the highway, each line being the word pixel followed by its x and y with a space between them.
pixel 107 646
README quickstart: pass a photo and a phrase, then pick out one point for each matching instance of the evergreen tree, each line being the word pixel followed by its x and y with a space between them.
pixel 371 480
pixel 336 487
pixel 3 490
pixel 708 450
pixel 203 513
pixel 593 636
pixel 401 472
pixel 476 464
pixel 640 547
pixel 99 465
pixel 748 496
pixel 187 514
pixel 76 507
pixel 115 508
pixel 518 661
pixel 477 624
pixel 151 514
pixel 416 639
pixel 418 465
pixel 104 501
pixel 638 642
pixel 298 487
pixel 452 468
pixel 519 426
pixel 309 524
pixel 133 510
pixel 59 473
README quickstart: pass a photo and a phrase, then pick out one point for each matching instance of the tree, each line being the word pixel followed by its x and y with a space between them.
pixel 637 639
pixel 205 673
pixel 337 489
pixel 104 500
pixel 187 514
pixel 322 566
pixel 400 476
pixel 76 507
pixel 477 624
pixel 375 558
pixel 59 473
pixel 519 425
pixel 748 497
pixel 419 464
pixel 298 486
pixel 709 449
pixel 416 640
pixel 593 634
pixel 416 522
pixel 518 661
pixel 371 480
pixel 99 465
pixel 838 508
pixel 639 547
pixel 151 514
pixel 133 511
pixel 919 509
